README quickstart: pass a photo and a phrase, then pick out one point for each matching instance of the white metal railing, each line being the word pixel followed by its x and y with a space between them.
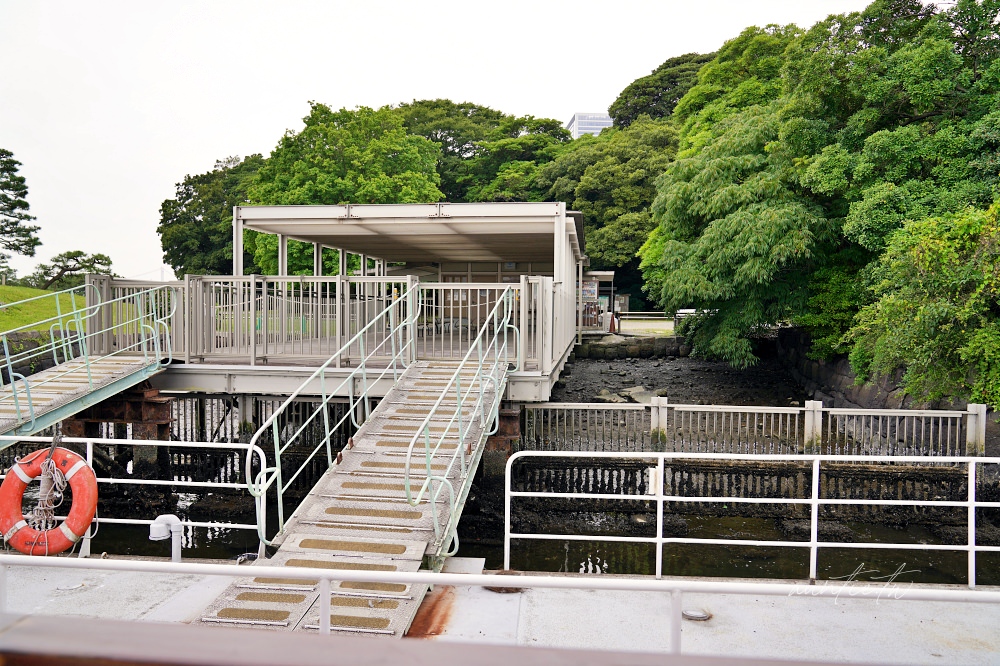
pixel 323 579
pixel 484 366
pixel 387 337
pixel 662 426
pixel 137 323
pixel 254 456
pixel 256 318
pixel 655 493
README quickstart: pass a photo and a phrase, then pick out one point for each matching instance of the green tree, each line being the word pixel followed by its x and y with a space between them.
pixel 196 226
pixel 504 165
pixel 348 156
pixel 611 179
pixel 67 269
pixel 16 235
pixel 657 94
pixel 801 152
pixel 458 128
pixel 935 312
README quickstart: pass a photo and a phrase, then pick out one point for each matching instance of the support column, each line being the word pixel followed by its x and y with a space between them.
pixel 282 255
pixel 237 242
pixel 317 260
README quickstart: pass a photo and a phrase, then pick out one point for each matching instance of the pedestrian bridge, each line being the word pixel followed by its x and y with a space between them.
pixel 390 500
pixel 392 497
pixel 131 330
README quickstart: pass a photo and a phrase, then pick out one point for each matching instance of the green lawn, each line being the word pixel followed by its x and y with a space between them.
pixel 35 311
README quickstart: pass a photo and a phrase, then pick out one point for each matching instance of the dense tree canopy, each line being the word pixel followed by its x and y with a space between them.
pixel 801 154
pixel 196 227
pixel 348 156
pixel 611 179
pixel 657 94
pixel 16 235
pixel 837 177
pixel 458 128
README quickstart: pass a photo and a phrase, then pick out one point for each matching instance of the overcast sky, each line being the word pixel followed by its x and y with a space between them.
pixel 107 105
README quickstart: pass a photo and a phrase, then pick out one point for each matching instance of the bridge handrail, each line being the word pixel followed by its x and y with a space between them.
pixel 499 320
pixel 148 323
pixel 401 352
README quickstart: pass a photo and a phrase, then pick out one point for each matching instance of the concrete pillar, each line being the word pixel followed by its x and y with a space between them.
pixel 813 431
pixel 975 430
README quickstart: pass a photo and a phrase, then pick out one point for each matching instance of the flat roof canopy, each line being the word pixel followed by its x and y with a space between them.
pixel 426 232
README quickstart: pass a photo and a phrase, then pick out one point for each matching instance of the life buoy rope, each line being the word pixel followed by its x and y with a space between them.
pixel 32 540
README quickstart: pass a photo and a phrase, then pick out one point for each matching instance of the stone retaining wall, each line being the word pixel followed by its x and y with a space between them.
pixel 835 383
pixel 617 346
pixel 25 341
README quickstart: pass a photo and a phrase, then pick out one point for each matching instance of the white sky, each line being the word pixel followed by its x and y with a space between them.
pixel 108 105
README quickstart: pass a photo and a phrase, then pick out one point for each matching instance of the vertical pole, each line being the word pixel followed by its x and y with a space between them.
pixel 658 489
pixel 253 319
pixel 523 328
pixel 506 516
pixel 237 243
pixel 317 260
pixel 186 310
pixel 282 254
pixel 814 521
pixel 324 605
pixel 972 525
pixel 579 302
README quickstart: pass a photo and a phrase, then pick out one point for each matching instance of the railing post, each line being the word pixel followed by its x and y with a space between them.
pixel 185 310
pixel 324 605
pixel 972 524
pixel 814 522
pixel 813 435
pixel 975 430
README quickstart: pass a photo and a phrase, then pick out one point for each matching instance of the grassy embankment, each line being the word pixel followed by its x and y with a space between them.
pixel 39 310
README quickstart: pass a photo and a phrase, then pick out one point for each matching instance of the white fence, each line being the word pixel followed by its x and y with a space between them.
pixel 252 458
pixel 653 489
pixel 661 426
pixel 266 319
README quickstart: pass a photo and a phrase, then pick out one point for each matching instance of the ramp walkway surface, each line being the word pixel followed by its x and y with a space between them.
pixel 357 517
pixel 68 388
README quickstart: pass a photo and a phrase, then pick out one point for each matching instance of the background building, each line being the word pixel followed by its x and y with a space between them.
pixel 587 123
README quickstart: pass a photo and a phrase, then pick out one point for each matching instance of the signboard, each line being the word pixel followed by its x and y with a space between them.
pixel 589 289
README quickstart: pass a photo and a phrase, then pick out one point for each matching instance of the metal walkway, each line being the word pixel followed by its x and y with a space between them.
pixel 358 516
pixel 68 388
pixel 133 329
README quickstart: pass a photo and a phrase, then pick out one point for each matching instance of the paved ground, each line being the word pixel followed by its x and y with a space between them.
pixel 847 629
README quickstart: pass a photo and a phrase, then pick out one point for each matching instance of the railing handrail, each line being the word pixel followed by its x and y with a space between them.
pixel 815 500
pixel 500 326
pixel 89 442
pixel 148 320
pixel 267 476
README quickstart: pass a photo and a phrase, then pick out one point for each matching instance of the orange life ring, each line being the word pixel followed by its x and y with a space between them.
pixel 25 538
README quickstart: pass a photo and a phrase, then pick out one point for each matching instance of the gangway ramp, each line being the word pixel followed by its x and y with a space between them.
pixel 134 329
pixel 358 517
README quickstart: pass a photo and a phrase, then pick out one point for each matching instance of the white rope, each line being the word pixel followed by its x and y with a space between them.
pixel 50 494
